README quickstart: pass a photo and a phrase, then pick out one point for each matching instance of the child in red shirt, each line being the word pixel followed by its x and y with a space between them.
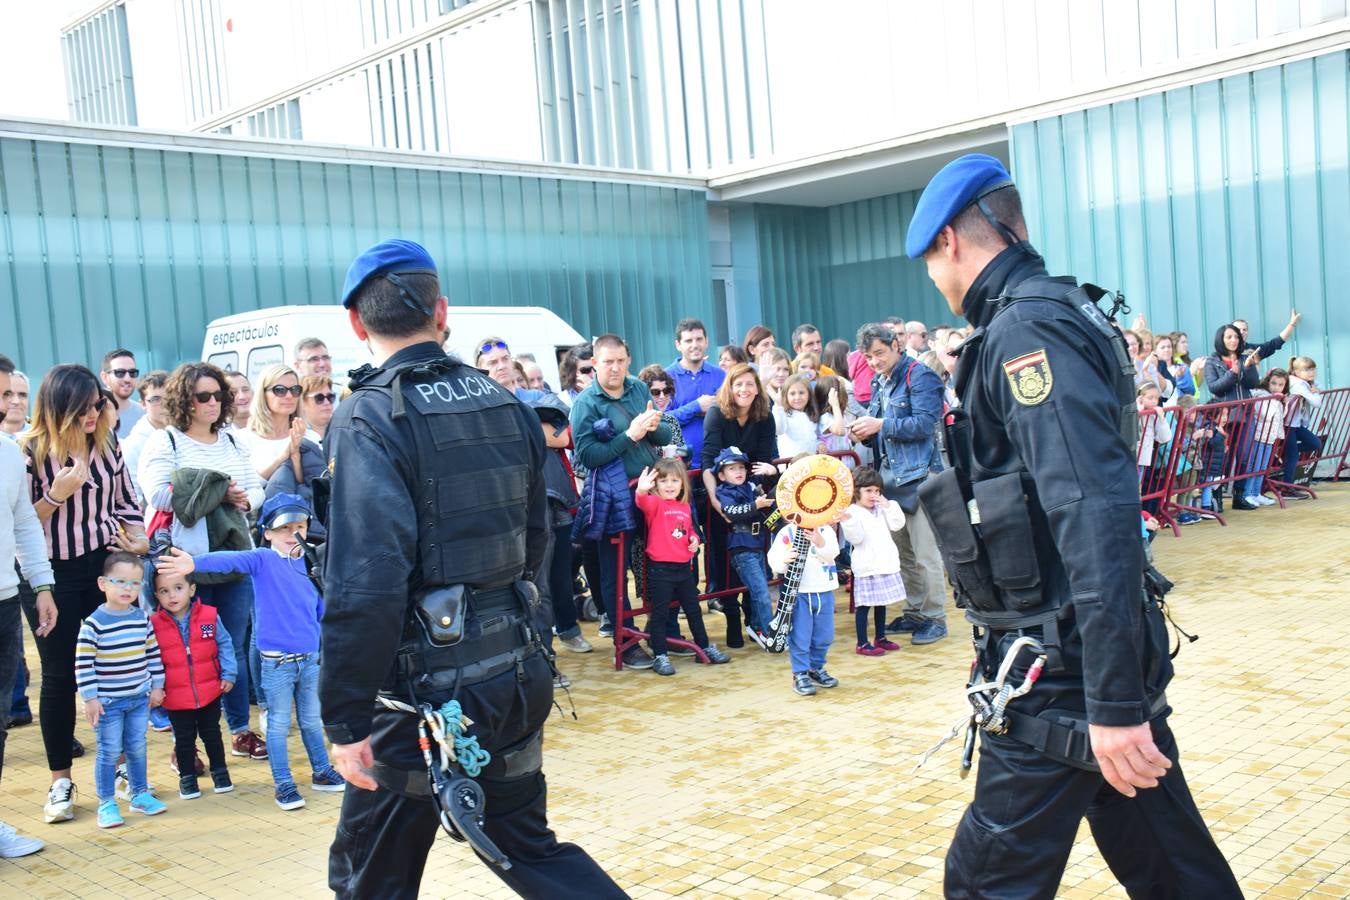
pixel 672 541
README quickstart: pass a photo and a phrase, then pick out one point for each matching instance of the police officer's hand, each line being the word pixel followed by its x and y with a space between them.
pixel 353 762
pixel 1128 756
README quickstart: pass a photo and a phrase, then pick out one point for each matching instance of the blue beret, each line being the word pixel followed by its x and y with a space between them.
pixel 957 185
pixel 392 257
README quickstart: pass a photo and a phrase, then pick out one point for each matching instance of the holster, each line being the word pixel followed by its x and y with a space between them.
pixel 441 612
pixel 968 567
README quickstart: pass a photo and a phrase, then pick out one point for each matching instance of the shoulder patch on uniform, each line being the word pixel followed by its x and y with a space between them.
pixel 1029 377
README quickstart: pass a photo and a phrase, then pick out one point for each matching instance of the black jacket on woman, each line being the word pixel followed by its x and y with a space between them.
pixel 757 440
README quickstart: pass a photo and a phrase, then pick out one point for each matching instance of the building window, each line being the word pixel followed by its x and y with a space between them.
pixel 281 121
pixel 97 54
pixel 589 57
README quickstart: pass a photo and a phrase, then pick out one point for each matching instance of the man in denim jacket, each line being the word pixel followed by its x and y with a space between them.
pixel 902 422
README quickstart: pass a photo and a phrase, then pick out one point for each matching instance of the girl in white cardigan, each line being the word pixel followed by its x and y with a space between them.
pixel 876 561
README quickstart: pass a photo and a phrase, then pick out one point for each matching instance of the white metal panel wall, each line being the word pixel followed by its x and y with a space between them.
pixel 674 85
pixel 873 69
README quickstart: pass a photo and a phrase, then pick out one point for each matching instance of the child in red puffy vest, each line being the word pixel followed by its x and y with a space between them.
pixel 199 666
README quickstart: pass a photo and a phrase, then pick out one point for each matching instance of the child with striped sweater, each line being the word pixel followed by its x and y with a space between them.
pixel 119 677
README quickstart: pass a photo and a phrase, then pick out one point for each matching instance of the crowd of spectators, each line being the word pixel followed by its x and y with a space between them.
pixel 110 460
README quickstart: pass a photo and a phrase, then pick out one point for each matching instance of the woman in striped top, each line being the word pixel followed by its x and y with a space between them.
pixel 84 496
pixel 200 404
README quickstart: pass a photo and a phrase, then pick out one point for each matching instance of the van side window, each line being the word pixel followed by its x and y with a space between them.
pixel 260 358
pixel 227 361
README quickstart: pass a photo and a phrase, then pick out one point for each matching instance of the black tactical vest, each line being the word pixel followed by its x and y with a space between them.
pixel 1014 530
pixel 473 471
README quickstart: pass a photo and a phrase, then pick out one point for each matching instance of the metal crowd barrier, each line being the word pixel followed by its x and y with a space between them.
pixel 1219 447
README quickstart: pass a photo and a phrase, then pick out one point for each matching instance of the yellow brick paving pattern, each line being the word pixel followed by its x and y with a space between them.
pixel 720 782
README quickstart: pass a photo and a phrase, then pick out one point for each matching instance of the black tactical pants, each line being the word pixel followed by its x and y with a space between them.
pixel 1014 839
pixel 383 837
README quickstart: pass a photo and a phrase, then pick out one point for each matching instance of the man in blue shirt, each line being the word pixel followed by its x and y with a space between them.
pixel 696 385
pixel 695 381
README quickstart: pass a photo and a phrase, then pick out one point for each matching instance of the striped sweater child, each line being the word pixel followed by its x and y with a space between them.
pixel 116 655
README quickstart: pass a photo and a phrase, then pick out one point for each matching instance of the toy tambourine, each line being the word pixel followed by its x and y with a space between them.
pixel 815 491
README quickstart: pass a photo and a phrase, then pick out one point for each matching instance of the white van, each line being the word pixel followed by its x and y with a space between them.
pixel 249 342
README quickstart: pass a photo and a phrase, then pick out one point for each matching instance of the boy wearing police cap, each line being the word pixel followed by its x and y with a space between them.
pixel 438 517
pixel 1038 522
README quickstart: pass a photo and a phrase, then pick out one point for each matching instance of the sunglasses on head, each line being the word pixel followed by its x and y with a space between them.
pixel 492 345
pixel 125 373
pixel 323 398
pixel 280 390
pixel 208 396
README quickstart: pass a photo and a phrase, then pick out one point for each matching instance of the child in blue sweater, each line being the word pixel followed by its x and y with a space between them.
pixel 287 610
pixel 743 504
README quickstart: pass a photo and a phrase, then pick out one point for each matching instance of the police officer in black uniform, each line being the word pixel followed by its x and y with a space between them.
pixel 437 519
pixel 1039 525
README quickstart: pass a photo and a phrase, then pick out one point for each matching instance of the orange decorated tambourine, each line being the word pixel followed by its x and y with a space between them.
pixel 815 491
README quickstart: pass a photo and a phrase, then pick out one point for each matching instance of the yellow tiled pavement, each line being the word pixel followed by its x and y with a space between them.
pixel 722 782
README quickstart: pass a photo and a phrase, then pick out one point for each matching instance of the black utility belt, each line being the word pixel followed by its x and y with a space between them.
pixel 745 527
pixel 1063 736
pixel 499 634
pixel 433 673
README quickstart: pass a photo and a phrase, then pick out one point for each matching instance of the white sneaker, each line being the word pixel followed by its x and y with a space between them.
pixel 60 802
pixel 1264 501
pixel 13 844
pixel 576 644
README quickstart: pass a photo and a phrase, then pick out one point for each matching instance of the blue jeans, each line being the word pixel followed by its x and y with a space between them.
pixel 234 603
pixel 1260 459
pixel 812 631
pixel 1298 441
pixel 750 565
pixel 282 682
pixel 121 729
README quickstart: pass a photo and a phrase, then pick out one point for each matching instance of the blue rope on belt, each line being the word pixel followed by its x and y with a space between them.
pixel 471 757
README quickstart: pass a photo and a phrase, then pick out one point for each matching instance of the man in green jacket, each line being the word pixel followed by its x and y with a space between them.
pixel 637 433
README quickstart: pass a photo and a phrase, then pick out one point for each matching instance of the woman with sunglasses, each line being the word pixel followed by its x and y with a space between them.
pixel 576 372
pixel 200 407
pixel 317 405
pixel 85 499
pixel 275 428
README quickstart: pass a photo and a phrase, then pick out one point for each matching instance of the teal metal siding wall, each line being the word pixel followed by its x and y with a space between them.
pixel 104 246
pixel 1228 199
pixel 841 266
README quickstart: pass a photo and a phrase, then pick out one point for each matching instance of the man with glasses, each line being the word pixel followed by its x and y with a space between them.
pixel 312 358
pixel 120 376
pixel 15 421
pixel 916 339
pixel 156 417
pixel 493 356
